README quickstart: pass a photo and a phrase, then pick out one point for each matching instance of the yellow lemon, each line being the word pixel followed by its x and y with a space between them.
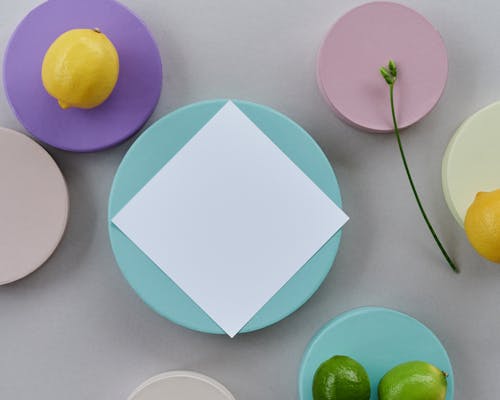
pixel 482 225
pixel 80 68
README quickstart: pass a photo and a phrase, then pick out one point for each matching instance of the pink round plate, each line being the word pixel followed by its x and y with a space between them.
pixel 361 42
pixel 33 205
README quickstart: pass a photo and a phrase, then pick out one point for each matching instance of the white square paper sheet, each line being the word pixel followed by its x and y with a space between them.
pixel 230 219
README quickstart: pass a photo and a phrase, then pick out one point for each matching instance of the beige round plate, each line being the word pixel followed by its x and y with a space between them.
pixel 471 162
pixel 33 205
pixel 182 385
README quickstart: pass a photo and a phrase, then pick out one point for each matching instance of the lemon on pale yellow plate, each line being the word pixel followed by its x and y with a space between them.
pixel 482 225
pixel 80 68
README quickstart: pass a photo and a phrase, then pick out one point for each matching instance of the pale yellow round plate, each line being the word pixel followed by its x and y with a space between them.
pixel 471 162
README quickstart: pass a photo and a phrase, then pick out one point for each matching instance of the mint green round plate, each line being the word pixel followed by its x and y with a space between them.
pixel 379 339
pixel 153 149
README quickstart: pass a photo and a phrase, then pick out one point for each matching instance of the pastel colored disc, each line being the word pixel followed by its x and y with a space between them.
pixel 33 205
pixel 183 385
pixel 379 339
pixel 471 163
pixel 126 110
pixel 152 150
pixel 361 42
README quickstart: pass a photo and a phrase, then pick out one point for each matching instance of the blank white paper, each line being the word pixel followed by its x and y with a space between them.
pixel 230 219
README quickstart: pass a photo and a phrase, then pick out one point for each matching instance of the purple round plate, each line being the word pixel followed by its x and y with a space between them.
pixel 129 106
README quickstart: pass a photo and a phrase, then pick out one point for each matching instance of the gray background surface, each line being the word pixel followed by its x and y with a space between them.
pixel 76 330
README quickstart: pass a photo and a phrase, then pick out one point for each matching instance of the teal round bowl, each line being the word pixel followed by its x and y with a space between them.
pixel 379 339
pixel 152 150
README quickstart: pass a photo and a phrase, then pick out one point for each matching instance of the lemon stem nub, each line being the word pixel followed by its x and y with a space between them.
pixel 445 374
pixel 97 30
pixel 63 105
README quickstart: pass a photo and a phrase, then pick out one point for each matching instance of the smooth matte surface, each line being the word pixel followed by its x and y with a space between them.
pixel 379 339
pixel 365 39
pixel 75 327
pixel 34 205
pixel 471 163
pixel 153 150
pixel 130 104
pixel 185 385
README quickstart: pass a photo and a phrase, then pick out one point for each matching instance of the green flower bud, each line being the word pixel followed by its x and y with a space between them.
pixel 392 68
pixel 387 76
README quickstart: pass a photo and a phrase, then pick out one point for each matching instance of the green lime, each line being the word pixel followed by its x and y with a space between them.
pixel 341 378
pixel 414 380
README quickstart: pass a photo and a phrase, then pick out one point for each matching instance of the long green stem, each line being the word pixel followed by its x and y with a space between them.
pixel 417 198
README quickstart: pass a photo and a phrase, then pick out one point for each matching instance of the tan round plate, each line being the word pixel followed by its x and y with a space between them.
pixel 33 205
pixel 183 385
